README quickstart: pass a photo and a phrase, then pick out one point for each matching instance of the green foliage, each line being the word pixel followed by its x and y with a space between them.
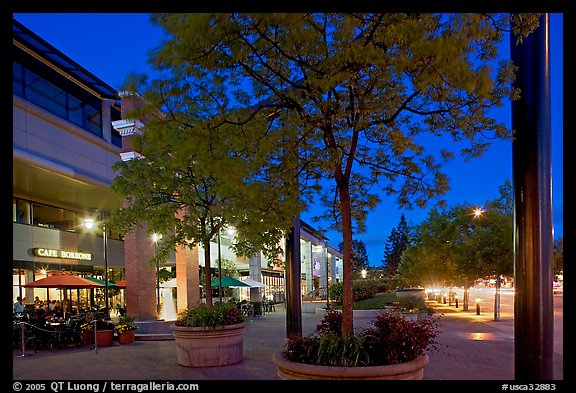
pixel 454 247
pixel 360 258
pixel 212 316
pixel 362 289
pixel 558 255
pixel 395 247
pixel 377 302
pixel 327 107
pixel 392 340
pixel 125 323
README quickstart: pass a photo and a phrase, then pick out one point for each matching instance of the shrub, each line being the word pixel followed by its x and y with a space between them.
pixel 126 323
pixel 210 316
pixel 392 339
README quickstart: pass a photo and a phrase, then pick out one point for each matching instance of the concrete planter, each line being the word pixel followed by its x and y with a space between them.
pixel 292 370
pixel 209 347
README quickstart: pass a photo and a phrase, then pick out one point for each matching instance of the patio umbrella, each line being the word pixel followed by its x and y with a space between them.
pixel 101 282
pixel 121 284
pixel 229 282
pixel 169 284
pixel 253 283
pixel 63 281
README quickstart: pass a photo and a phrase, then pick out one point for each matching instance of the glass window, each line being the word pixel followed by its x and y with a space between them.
pixel 20 211
pixel 45 94
pixel 18 79
pixel 93 120
pixel 47 216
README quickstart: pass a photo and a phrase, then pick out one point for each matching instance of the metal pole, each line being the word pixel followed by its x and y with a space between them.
pixel 105 236
pixel 95 336
pixel 219 268
pixel 23 339
pixel 293 291
pixel 157 276
pixel 533 238
pixel 497 298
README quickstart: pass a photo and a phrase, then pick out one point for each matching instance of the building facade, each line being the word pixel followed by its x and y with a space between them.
pixel 69 129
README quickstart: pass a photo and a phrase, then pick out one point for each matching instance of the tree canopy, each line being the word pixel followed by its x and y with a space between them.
pixel 455 247
pixel 346 99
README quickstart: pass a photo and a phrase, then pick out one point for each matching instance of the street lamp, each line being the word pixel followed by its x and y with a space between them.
pixel 219 266
pixel 89 223
pixel 477 212
pixel 157 237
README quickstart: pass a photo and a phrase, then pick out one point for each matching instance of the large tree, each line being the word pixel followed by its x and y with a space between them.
pixel 354 95
pixel 454 246
pixel 189 183
pixel 360 258
pixel 395 247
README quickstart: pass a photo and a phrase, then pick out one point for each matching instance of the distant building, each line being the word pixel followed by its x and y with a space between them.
pixel 69 129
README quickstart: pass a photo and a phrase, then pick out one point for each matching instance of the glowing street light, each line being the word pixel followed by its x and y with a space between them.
pixel 477 212
pixel 89 223
pixel 156 237
pixel 363 272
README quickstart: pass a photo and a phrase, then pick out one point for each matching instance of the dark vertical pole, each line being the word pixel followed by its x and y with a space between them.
pixel 293 295
pixel 105 237
pixel 219 268
pixel 533 238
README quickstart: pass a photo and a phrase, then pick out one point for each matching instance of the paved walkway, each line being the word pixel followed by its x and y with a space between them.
pixel 471 347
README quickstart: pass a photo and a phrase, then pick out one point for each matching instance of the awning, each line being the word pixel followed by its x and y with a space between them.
pixel 101 282
pixel 253 283
pixel 229 282
pixel 63 281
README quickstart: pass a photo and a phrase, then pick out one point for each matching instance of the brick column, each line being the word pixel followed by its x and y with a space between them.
pixel 187 278
pixel 140 275
pixel 138 245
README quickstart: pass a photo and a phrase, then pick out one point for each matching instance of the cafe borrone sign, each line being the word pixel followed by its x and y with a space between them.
pixel 64 254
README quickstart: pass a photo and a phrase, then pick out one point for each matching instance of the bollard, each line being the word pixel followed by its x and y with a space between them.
pixel 95 337
pixel 456 300
pixel 23 339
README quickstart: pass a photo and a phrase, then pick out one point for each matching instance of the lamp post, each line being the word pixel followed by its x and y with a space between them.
pixel 157 237
pixel 89 223
pixel 219 268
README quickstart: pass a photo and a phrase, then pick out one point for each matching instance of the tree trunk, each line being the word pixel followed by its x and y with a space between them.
pixel 207 273
pixel 347 295
pixel 497 299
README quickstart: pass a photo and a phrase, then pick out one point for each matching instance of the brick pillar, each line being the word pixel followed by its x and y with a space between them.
pixel 140 275
pixel 138 245
pixel 187 278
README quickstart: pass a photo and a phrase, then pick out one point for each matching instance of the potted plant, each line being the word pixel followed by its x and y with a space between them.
pixel 126 328
pixel 209 335
pixel 104 332
pixel 393 348
pixel 87 332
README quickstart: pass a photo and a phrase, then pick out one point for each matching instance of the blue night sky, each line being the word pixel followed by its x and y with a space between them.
pixel 112 45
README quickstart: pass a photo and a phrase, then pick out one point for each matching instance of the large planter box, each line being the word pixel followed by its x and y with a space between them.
pixel 293 370
pixel 209 347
